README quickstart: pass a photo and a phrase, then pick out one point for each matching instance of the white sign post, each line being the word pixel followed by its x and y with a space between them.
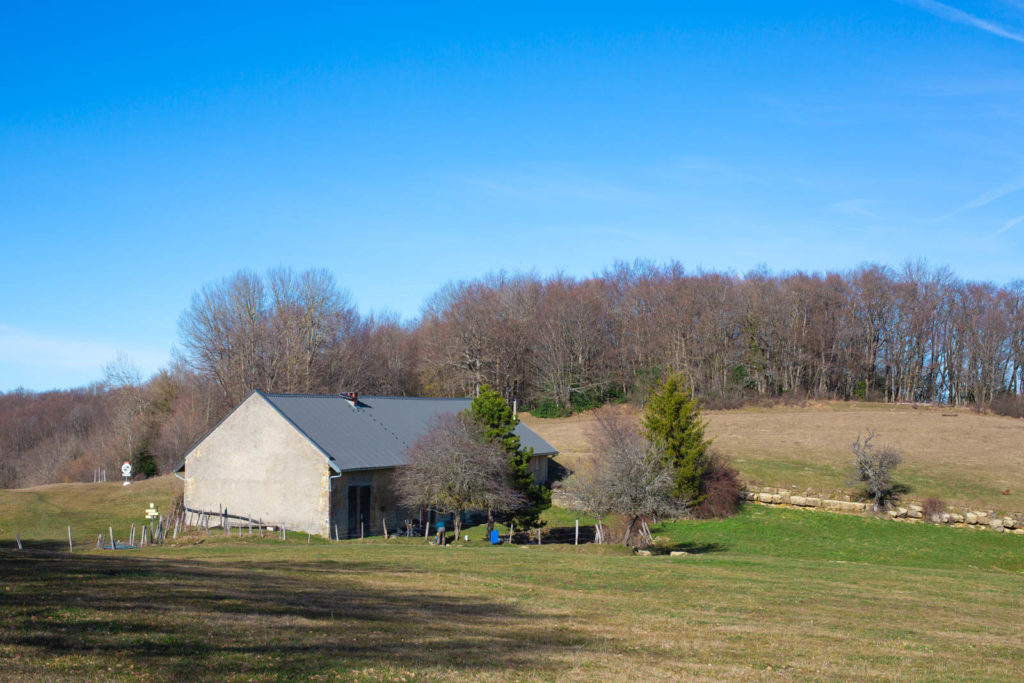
pixel 126 471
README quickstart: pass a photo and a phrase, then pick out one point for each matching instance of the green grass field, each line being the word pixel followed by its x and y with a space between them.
pixel 766 595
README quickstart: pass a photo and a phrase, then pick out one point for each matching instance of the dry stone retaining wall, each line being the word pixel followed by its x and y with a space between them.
pixel 1008 523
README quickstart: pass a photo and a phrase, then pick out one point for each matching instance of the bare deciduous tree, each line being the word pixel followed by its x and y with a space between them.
pixel 270 333
pixel 626 475
pixel 454 468
pixel 123 380
pixel 874 468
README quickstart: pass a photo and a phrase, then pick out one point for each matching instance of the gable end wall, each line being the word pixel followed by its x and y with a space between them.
pixel 257 463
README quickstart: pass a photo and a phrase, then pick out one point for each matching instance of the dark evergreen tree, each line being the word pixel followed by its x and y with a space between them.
pixel 491 411
pixel 143 463
pixel 672 421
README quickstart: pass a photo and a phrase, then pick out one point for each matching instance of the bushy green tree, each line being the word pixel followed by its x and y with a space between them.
pixel 491 411
pixel 673 422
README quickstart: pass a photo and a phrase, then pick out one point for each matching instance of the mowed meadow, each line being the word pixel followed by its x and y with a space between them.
pixel 769 594
pixel 962 457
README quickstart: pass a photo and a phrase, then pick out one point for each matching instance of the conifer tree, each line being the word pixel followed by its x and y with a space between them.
pixel 491 411
pixel 672 421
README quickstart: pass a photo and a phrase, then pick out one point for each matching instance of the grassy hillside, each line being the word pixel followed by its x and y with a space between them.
pixel 41 515
pixel 954 454
pixel 805 595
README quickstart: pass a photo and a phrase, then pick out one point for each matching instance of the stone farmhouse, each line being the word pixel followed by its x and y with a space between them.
pixel 316 463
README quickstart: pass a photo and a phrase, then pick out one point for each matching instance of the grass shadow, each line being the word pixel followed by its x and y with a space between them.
pixel 687 547
pixel 181 618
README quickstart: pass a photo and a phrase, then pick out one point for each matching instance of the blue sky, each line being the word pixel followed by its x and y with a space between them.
pixel 147 151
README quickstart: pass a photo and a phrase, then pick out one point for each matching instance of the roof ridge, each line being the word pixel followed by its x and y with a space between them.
pixel 362 396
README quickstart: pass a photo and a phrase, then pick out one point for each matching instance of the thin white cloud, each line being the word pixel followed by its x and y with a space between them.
pixel 994 194
pixel 558 185
pixel 989 196
pixel 77 358
pixel 708 168
pixel 960 17
pixel 618 232
pixel 1009 224
pixel 855 208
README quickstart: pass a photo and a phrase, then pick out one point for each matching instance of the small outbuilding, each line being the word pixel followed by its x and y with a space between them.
pixel 319 463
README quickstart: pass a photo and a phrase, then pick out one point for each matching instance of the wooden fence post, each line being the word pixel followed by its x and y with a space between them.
pixel 17 539
pixel 71 546
pixel 385 523
pixel 577 541
pixel 112 544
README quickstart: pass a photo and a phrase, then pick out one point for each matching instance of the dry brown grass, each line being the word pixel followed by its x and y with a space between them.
pixel 954 454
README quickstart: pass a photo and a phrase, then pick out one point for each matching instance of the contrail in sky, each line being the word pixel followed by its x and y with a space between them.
pixel 1009 224
pixel 961 17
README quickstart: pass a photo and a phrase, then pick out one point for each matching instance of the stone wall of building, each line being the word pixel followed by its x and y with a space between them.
pixel 257 464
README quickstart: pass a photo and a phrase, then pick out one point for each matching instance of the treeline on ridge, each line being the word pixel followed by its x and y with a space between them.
pixel 553 344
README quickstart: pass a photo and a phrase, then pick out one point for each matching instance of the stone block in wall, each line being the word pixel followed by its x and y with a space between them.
pixel 945 518
pixel 843 506
pixel 800 501
pixel 813 502
pixel 982 517
pixel 764 497
pixel 902 512
pixel 777 499
pixel 1019 532
pixel 971 518
pixel 956 518
pixel 915 514
pixel 996 524
pixel 1009 523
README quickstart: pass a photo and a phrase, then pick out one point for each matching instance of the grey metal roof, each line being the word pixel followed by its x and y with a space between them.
pixel 378 431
